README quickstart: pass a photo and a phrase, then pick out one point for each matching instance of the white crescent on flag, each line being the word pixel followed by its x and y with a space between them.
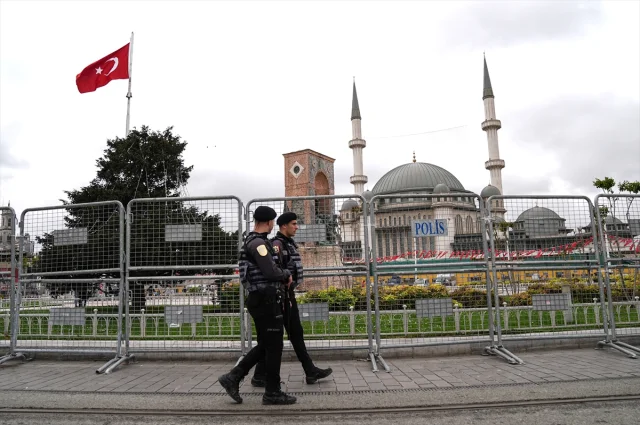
pixel 115 65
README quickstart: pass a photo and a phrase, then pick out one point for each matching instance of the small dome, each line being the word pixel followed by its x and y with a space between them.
pixel 367 194
pixel 415 176
pixel 441 188
pixel 490 191
pixel 613 220
pixel 349 204
pixel 538 213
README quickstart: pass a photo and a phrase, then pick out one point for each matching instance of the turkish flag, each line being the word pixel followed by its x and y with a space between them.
pixel 111 67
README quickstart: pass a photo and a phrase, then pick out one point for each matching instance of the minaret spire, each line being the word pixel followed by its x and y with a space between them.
pixel 357 144
pixel 491 125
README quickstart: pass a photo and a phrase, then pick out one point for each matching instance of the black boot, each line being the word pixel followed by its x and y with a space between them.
pixel 277 398
pixel 231 383
pixel 258 381
pixel 318 373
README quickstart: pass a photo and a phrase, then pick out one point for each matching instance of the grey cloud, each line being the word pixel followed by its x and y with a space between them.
pixel 591 136
pixel 508 23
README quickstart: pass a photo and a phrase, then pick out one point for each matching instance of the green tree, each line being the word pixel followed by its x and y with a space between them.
pixel 145 164
pixel 607 185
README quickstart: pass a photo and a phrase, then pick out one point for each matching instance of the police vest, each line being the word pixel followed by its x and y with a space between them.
pixel 251 277
pixel 292 258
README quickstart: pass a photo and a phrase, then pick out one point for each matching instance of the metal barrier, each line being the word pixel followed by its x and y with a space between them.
pixel 618 219
pixel 72 249
pixel 335 297
pixel 431 285
pixel 7 283
pixel 548 243
pixel 182 285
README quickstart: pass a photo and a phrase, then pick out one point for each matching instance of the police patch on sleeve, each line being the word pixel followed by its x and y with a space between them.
pixel 262 250
pixel 276 249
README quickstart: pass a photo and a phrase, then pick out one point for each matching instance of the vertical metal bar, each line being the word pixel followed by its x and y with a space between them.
pixel 121 300
pixel 602 263
pixel 367 259
pixel 13 306
pixel 124 289
pixel 485 213
pixel 375 271
pixel 498 326
pixel 243 325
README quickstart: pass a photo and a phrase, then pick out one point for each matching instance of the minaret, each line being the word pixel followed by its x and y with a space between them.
pixel 356 143
pixel 491 125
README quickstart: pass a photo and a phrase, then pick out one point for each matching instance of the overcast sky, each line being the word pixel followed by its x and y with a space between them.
pixel 245 82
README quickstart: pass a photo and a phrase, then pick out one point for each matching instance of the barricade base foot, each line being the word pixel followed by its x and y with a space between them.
pixel 112 364
pixel 504 354
pixel 14 356
pixel 621 347
pixel 383 363
pixel 374 365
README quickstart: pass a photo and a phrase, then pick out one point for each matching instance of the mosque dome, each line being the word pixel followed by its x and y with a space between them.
pixel 416 176
pixel 367 194
pixel 349 204
pixel 490 191
pixel 441 188
pixel 538 213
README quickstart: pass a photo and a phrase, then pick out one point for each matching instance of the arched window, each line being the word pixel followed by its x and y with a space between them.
pixel 469 225
pixel 458 223
pixel 394 221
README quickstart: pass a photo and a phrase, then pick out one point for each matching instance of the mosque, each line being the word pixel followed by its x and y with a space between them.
pixel 310 173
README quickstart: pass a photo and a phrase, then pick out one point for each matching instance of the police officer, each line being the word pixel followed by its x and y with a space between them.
pixel 264 279
pixel 287 249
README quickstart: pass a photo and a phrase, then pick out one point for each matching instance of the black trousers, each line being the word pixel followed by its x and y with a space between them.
pixel 295 334
pixel 268 318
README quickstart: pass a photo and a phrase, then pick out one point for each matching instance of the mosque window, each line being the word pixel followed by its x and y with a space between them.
pixel 385 221
pixel 394 221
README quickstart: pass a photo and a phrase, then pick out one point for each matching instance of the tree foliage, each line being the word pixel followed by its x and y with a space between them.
pixel 146 164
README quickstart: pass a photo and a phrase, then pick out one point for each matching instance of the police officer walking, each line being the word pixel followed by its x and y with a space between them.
pixel 264 279
pixel 287 249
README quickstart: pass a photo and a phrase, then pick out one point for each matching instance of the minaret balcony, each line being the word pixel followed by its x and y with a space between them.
pixel 494 163
pixel 357 143
pixel 489 124
pixel 358 179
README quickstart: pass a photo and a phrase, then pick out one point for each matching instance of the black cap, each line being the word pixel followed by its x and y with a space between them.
pixel 286 218
pixel 264 214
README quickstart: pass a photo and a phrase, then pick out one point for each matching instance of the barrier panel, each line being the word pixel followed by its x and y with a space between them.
pixel 545 263
pixel 618 224
pixel 74 252
pixel 334 298
pixel 7 283
pixel 182 263
pixel 431 285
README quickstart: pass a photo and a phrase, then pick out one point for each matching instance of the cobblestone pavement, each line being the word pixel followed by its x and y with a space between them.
pixel 348 375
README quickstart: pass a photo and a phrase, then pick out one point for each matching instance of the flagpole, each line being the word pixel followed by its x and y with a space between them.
pixel 129 95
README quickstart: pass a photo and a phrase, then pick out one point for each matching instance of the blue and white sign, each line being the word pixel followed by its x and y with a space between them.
pixel 422 228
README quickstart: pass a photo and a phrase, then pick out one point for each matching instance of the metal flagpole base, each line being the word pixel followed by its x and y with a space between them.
pixel 503 353
pixel 14 356
pixel 112 364
pixel 383 363
pixel 620 346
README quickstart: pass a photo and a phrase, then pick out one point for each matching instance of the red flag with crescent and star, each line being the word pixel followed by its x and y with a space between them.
pixel 111 67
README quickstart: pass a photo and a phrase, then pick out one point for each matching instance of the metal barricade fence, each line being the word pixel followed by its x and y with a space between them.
pixel 74 252
pixel 618 224
pixel 334 298
pixel 7 282
pixel 182 262
pixel 430 271
pixel 544 259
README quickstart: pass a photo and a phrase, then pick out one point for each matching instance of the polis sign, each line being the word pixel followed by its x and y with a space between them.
pixel 423 228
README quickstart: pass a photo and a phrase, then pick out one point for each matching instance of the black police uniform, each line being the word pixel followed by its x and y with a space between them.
pixel 291 260
pixel 264 280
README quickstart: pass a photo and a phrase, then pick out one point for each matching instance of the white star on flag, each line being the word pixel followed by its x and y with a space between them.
pixel 98 70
